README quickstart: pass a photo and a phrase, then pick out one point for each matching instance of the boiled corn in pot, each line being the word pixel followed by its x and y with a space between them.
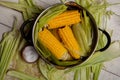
pixel 55 40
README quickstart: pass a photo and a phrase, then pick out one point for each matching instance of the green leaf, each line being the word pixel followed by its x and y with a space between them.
pixel 83 74
pixel 30 2
pixel 50 72
pixel 12 5
pixel 27 8
pixel 55 74
pixel 81 37
pixel 100 57
pixel 21 75
pixel 9 45
pixel 22 2
pixel 43 68
pixel 96 69
pixel 77 75
pixel 88 73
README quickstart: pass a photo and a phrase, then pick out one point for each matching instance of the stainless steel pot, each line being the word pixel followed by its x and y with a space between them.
pixel 71 5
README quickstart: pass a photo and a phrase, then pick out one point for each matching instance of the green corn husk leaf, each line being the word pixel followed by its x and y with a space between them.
pixel 9 45
pixel 43 68
pixel 84 3
pixel 97 8
pixel 15 6
pixel 21 75
pixel 87 27
pixel 50 72
pixel 96 69
pixel 77 75
pixel 53 74
pixel 30 2
pixel 81 37
pixel 100 57
pixel 27 8
pixel 83 74
pixel 23 2
pixel 88 73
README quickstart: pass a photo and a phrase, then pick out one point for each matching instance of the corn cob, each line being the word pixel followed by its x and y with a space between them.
pixel 69 41
pixel 52 44
pixel 66 18
pixel 55 33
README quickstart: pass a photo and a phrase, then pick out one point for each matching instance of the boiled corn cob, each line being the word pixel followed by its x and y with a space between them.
pixel 55 33
pixel 47 38
pixel 66 18
pixel 69 41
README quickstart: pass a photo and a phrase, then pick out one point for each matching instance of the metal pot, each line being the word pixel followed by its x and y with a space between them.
pixel 71 5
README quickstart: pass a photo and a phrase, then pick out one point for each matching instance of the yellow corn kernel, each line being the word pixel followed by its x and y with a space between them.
pixel 66 18
pixel 69 41
pixel 52 43
pixel 55 33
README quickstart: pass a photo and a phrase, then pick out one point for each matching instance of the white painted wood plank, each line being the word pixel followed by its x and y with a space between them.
pixel 107 76
pixel 7 16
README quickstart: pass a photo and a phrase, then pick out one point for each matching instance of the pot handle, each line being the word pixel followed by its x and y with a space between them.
pixel 108 40
pixel 26 30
